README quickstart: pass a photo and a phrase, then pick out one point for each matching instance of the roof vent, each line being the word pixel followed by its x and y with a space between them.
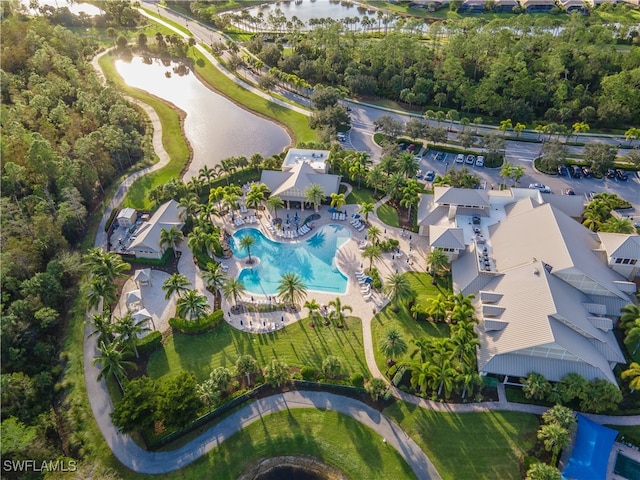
pixel 536 271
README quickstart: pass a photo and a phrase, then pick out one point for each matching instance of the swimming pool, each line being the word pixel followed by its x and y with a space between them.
pixel 627 467
pixel 312 258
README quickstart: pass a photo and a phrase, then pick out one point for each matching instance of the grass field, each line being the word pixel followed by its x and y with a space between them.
pixel 404 322
pixel 335 439
pixel 388 215
pixel 469 445
pixel 297 345
pixel 364 195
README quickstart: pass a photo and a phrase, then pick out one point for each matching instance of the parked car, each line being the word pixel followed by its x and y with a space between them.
pixel 611 173
pixel 411 148
pixel 460 158
pixel 575 171
pixel 480 161
pixel 348 109
pixel 563 171
pixel 419 174
pixel 342 137
pixel 402 145
pixel 586 172
pixel 569 191
pixel 620 175
pixel 470 159
pixel 540 186
pixel 439 157
pixel 430 176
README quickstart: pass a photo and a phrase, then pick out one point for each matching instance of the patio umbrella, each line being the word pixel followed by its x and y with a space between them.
pixel 356 216
pixel 368 280
pixel 333 210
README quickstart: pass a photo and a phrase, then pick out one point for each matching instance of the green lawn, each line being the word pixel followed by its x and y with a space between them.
pixel 469 445
pixel 335 439
pixel 364 195
pixel 297 345
pixel 388 215
pixel 404 322
pixel 631 433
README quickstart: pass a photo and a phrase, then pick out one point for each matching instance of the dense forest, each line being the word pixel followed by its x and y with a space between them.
pixel 515 68
pixel 65 138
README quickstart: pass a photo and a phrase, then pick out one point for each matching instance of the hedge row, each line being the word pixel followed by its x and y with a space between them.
pixel 149 342
pixel 190 327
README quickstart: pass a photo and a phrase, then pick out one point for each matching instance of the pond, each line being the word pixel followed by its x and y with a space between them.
pixel 73 6
pixel 215 127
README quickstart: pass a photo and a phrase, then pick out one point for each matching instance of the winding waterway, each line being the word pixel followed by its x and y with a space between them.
pixel 215 127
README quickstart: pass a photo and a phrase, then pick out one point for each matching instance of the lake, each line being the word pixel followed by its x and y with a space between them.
pixel 215 127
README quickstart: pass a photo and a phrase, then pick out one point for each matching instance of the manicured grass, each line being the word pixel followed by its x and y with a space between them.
pixel 364 195
pixel 335 439
pixel 388 215
pixel 172 139
pixel 631 433
pixel 297 345
pixel 469 445
pixel 176 25
pixel 403 321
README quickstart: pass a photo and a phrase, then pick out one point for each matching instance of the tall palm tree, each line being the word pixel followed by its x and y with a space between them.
pixel 338 313
pixel 313 306
pixel 633 336
pixel 410 196
pixel 214 278
pixel 171 238
pixel 630 314
pixel 393 345
pixel 112 360
pixel 246 365
pixel 506 172
pixel 374 234
pixel 365 209
pixel 291 289
pixel 464 348
pixel 108 265
pixel 633 372
pixel 192 306
pixel 375 178
pixel 101 322
pixel 462 313
pixel 373 253
pixel 277 373
pixel 101 289
pixel 232 289
pixel 420 376
pixel 397 288
pixel 438 307
pixel 207 175
pixel 314 194
pixel 337 200
pixel 555 438
pixel 442 377
pixel 468 378
pixel 129 329
pixel 275 203
pixel 617 225
pixel 438 262
pixel 408 165
pixel 176 283
pixel 245 243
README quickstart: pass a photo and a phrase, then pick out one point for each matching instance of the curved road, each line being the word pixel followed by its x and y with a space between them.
pixel 142 461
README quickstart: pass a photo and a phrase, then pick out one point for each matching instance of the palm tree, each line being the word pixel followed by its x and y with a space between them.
pixel 192 306
pixel 372 252
pixel 207 175
pixel 410 195
pixel 518 173
pixel 275 203
pixel 408 165
pixel 633 372
pixel 366 209
pixel 535 386
pixel 313 306
pixel 103 327
pixel 246 365
pixel 633 336
pixel 245 243
pixel 397 288
pixel 314 194
pixel 420 376
pixel 129 330
pixel 101 289
pixel 233 288
pixel 506 172
pixel 214 278
pixel 468 378
pixel 331 366
pixel 220 378
pixel 442 377
pixel 438 307
pixel 555 438
pixel 277 373
pixel 112 360
pixel 374 234
pixel 291 289
pixel 438 262
pixel 542 471
pixel 630 314
pixel 107 265
pixel 462 313
pixel 375 178
pixel 176 283
pixel 560 415
pixel 171 238
pixel 618 225
pixel 337 314
pixel 464 347
pixel 337 200
pixel 393 345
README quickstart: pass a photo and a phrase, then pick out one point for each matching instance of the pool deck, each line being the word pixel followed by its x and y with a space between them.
pixel 625 450
pixel 348 260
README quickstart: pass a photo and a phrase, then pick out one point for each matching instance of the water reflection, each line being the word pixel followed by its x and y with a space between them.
pixel 73 6
pixel 307 10
pixel 215 127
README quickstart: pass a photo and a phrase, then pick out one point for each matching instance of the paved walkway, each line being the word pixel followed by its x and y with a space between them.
pixel 147 462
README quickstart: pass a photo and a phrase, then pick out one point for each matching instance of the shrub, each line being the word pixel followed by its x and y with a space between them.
pixel 308 373
pixel 149 342
pixel 203 325
pixel 357 380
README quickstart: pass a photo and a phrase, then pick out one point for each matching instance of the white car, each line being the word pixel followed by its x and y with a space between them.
pixel 460 158
pixel 480 161
pixel 540 186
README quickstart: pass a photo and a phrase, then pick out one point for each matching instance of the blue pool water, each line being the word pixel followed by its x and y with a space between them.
pixel 312 257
